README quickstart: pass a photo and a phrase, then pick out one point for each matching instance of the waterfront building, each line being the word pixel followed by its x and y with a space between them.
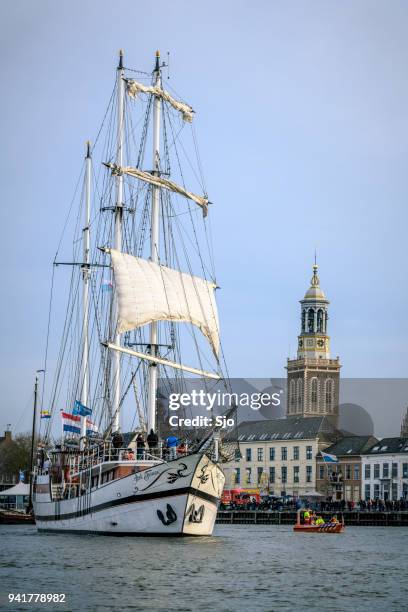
pixel 278 456
pixel 385 470
pixel 15 498
pixel 342 480
pixel 313 377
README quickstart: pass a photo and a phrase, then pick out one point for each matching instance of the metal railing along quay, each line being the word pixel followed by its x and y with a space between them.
pixel 355 518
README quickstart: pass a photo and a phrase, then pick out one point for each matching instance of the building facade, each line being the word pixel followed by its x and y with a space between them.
pixel 278 456
pixel 342 480
pixel 313 377
pixel 385 470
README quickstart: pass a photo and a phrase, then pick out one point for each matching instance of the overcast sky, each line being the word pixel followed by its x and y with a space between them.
pixel 302 118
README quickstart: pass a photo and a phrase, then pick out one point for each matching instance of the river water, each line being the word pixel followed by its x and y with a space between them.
pixel 241 567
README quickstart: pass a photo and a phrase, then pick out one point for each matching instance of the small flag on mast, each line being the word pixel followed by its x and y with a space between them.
pixel 91 428
pixel 80 409
pixel 71 423
pixel 45 414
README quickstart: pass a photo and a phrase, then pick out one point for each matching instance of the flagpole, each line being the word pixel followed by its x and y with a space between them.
pixel 30 497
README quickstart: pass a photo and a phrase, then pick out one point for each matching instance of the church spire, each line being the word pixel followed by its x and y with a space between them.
pixel 313 340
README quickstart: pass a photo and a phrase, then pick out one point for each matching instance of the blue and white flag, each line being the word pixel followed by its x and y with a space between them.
pixel 21 476
pixel 80 409
pixel 328 458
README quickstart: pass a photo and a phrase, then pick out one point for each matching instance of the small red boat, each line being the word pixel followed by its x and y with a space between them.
pixel 324 528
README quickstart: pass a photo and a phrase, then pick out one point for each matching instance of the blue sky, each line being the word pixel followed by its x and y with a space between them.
pixel 302 119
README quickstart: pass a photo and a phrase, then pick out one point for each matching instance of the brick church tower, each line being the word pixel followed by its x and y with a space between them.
pixel 313 378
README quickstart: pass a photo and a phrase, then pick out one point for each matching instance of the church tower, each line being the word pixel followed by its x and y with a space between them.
pixel 313 377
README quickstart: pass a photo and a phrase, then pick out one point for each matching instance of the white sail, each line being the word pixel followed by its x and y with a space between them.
pixel 148 292
pixel 134 88
pixel 161 182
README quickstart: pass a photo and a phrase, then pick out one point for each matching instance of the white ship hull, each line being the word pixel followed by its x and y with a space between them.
pixel 179 497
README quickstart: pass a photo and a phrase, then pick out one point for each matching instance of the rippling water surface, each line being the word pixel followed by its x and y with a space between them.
pixel 240 568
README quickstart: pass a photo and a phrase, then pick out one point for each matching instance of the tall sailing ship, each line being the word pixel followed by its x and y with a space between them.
pixel 141 306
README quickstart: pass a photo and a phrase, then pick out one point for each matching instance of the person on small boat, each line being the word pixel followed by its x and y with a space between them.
pixel 307 516
pixel 319 521
pixel 335 520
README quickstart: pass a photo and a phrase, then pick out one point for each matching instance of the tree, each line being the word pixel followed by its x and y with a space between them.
pixel 15 455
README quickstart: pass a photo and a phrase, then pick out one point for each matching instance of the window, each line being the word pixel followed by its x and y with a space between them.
pixel 356 474
pixel 348 471
pixel 299 394
pixel 284 474
pixel 272 475
pixel 308 473
pixel 296 453
pixel 394 491
pixel 260 472
pixel 367 471
pixel 295 473
pixel 248 454
pixel 248 476
pixel 310 321
pixel 329 394
pixel 293 394
pixel 367 492
pixel 309 453
pixel 284 453
pixel 313 393
pixel 237 475
pixel 376 470
pixel 321 472
pixel 376 491
pixel 272 453
pixel 394 471
pixel 260 454
pixel 405 470
pixel 386 470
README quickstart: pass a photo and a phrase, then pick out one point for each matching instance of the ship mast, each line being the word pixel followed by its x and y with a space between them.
pixel 85 289
pixel 118 237
pixel 154 244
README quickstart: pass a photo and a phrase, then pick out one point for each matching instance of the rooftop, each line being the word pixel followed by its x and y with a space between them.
pixel 299 428
pixel 351 445
pixel 389 445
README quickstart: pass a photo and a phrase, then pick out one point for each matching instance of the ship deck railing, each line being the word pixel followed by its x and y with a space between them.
pixel 78 460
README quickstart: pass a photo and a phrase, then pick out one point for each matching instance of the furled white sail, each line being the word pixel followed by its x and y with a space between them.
pixel 148 292
pixel 134 88
pixel 161 182
pixel 161 361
